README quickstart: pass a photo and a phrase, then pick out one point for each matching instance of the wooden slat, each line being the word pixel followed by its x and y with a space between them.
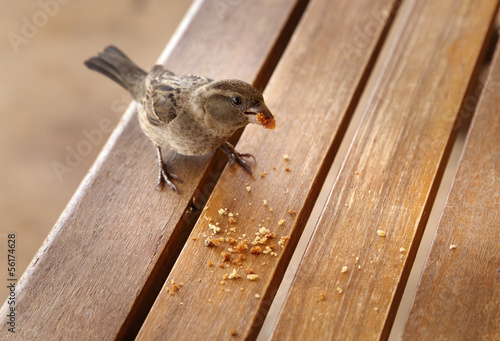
pixel 458 297
pixel 312 93
pixel 108 255
pixel 388 179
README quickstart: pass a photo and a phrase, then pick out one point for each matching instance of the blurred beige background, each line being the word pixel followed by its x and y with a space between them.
pixel 48 97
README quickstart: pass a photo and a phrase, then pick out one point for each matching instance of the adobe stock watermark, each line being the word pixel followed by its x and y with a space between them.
pixel 74 155
pixel 364 35
pixel 222 7
pixel 30 26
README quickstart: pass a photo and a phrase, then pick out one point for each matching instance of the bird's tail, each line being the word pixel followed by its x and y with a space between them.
pixel 117 66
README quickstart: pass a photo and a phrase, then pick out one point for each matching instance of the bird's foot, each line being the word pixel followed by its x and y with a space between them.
pixel 164 176
pixel 233 155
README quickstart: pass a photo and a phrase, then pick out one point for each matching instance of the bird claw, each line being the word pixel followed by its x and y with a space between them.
pixel 164 176
pixel 233 155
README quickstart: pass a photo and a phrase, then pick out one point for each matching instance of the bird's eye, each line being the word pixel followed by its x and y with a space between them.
pixel 236 100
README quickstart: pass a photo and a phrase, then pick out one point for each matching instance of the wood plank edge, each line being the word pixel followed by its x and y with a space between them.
pixel 398 294
pixel 304 215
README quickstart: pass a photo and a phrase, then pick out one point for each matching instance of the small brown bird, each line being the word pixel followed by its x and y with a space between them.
pixel 191 115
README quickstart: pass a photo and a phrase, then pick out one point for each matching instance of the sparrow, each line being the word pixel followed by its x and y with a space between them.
pixel 189 114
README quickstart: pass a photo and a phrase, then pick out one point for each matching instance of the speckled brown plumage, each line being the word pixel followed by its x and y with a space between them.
pixel 189 114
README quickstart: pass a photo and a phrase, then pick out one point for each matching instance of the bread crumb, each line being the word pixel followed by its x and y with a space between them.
pixel 214 228
pixel 339 290
pixel 286 157
pixel 344 269
pixel 288 169
pixel 242 246
pixel 193 238
pixel 234 275
pixel 250 271
pixel 252 277
pixel 255 250
pixel 210 263
pixel 322 297
pixel 209 300
pixel 257 296
pixel 266 122
pixel 233 332
pixel 222 211
pixel 452 246
pixel 263 174
pixel 282 241
pixel 249 188
pixel 402 250
pixel 225 256
pixel 181 304
pixel 381 233
pixel 292 212
pixel 281 222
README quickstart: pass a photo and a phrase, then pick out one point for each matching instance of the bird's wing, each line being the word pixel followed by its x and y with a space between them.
pixel 164 90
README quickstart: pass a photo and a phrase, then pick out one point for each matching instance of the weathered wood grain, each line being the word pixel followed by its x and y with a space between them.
pixel 312 93
pixel 389 178
pixel 108 255
pixel 458 297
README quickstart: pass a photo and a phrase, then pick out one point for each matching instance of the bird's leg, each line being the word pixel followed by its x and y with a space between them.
pixel 233 155
pixel 163 175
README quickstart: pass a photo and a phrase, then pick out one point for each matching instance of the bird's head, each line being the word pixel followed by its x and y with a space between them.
pixel 232 104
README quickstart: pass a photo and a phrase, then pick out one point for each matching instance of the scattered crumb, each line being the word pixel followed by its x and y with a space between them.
pixel 199 280
pixel 234 275
pixel 281 222
pixel 381 233
pixel 233 332
pixel 452 246
pixel 210 263
pixel 402 250
pixel 344 269
pixel 249 188
pixel 339 290
pixel 283 240
pixel 322 297
pixel 209 300
pixel 241 289
pixel 286 157
pixel 222 211
pixel 226 256
pixel 214 228
pixel 181 304
pixel 263 174
pixel 252 277
pixel 274 167
pixel 242 246
pixel 288 169
pixel 359 266
pixel 292 212
pixel 256 250
pixel 193 238
pixel 250 271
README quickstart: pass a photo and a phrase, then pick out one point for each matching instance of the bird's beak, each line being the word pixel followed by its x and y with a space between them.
pixel 251 113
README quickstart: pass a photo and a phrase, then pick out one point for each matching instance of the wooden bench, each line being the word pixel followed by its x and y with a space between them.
pixel 125 261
